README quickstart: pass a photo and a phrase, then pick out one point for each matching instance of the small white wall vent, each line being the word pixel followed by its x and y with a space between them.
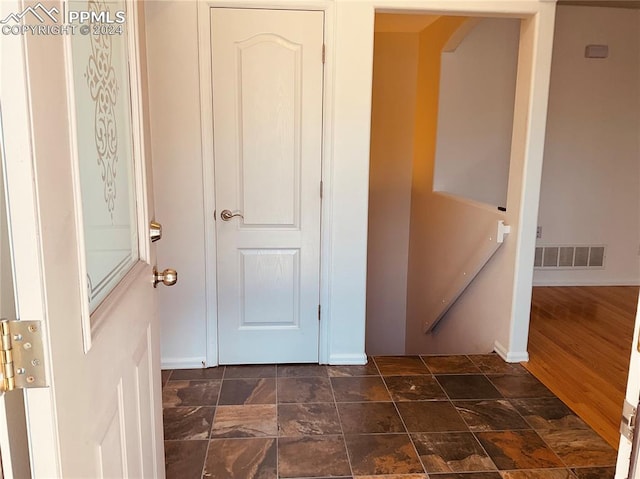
pixel 570 257
pixel 596 51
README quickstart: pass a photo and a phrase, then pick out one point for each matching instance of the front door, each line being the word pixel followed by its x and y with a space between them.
pixel 628 464
pixel 80 205
pixel 267 70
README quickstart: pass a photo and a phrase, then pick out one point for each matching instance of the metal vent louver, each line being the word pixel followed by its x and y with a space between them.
pixel 570 257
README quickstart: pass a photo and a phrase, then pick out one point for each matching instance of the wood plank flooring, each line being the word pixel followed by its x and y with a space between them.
pixel 579 346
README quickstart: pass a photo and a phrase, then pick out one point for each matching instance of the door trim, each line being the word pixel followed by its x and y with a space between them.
pixel 208 170
pixel 20 152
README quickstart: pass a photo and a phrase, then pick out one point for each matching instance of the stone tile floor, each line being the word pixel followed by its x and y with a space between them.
pixel 409 417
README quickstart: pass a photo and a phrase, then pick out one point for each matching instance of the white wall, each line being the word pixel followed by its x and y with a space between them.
pixel 591 175
pixel 177 167
pixel 173 75
pixel 475 114
pixel 392 123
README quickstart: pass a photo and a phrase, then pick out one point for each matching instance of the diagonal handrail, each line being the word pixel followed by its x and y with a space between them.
pixel 492 239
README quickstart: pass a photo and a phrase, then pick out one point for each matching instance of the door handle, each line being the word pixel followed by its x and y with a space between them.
pixel 226 215
pixel 168 277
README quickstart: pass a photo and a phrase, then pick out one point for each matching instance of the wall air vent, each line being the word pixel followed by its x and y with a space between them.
pixel 570 257
pixel 596 51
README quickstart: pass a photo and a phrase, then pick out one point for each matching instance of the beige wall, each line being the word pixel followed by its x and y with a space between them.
pixel 591 174
pixel 475 115
pixel 392 123
pixel 493 313
pixel 418 241
pixel 425 232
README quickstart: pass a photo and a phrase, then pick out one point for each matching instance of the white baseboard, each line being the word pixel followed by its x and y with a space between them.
pixel 195 363
pixel 347 359
pixel 566 282
pixel 510 356
pixel 182 363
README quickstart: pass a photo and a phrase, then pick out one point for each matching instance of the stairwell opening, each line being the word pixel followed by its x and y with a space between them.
pixel 442 116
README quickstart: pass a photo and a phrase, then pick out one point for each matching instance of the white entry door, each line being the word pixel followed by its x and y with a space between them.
pixel 80 205
pixel 628 464
pixel 267 70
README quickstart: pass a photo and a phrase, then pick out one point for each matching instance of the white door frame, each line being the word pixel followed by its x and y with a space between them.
pixel 23 227
pixel 208 175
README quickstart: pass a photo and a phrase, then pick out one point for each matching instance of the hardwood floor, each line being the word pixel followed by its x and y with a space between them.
pixel 579 346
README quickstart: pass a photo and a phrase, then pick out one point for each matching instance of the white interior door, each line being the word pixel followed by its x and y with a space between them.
pixel 625 458
pixel 267 71
pixel 80 203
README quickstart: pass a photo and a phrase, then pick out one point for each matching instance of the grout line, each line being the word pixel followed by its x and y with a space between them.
pixel 510 401
pixel 489 373
pixel 344 439
pixel 426 365
pixel 408 434
pixel 213 420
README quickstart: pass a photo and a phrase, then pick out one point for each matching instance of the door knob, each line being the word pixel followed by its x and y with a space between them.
pixel 168 277
pixel 226 215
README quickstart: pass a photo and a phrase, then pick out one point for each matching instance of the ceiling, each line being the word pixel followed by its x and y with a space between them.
pixel 416 22
pixel 400 22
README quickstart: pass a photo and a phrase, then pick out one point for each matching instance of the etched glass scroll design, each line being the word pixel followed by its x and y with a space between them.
pixel 105 153
pixel 103 87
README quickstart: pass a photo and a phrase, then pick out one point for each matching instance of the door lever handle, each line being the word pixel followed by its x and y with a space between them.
pixel 226 215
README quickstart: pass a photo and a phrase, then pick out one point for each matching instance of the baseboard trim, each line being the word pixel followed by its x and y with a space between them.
pixel 196 363
pixel 612 282
pixel 182 363
pixel 510 356
pixel 347 359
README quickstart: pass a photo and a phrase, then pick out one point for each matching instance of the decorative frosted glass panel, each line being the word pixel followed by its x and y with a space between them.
pixel 105 154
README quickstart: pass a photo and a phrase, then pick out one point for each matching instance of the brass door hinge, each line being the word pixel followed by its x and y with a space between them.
pixel 628 423
pixel 21 355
